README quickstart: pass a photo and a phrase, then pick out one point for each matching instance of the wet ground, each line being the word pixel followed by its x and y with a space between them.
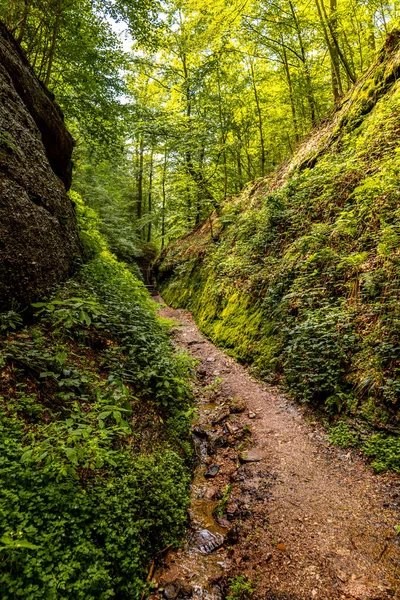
pixel 273 501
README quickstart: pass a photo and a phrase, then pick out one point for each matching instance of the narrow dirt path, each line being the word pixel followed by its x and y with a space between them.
pixel 301 519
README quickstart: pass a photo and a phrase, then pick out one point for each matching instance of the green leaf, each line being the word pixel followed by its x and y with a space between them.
pixel 11 543
pixel 87 319
pixel 104 414
pixel 27 455
pixel 71 454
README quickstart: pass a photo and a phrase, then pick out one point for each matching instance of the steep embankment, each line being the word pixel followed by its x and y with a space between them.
pixel 299 275
pixel 94 437
pixel 38 232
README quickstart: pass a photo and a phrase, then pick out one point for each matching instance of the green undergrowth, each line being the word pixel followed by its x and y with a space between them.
pixel 240 588
pixel 343 435
pixel 94 436
pixel 300 275
pixel 384 451
pixel 381 448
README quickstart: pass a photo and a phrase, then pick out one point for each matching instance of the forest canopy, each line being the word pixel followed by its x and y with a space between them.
pixel 209 96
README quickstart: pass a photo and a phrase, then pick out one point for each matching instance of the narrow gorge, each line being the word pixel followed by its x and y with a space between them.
pixel 199 300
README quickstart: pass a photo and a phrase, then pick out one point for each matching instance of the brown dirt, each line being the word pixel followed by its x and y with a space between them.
pixel 314 521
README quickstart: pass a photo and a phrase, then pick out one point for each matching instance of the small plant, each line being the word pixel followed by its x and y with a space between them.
pixel 385 450
pixel 337 403
pixel 341 435
pixel 14 541
pixel 214 386
pixel 69 313
pixel 9 321
pixel 212 389
pixel 220 508
pixel 240 588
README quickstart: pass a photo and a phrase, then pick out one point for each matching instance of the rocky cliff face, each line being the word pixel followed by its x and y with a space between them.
pixel 38 233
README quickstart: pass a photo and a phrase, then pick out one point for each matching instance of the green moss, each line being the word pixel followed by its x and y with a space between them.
pixel 220 508
pixel 385 452
pixel 7 143
pixel 240 588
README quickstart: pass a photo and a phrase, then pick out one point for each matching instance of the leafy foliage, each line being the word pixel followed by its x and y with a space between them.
pixel 341 435
pixel 75 50
pixel 316 353
pixel 94 420
pixel 69 313
pixel 240 588
pixel 9 321
pixel 385 452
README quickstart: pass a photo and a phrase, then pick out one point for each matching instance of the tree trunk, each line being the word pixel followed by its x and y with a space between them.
pixel 53 44
pixel 22 24
pixel 335 68
pixel 336 45
pixel 32 45
pixel 150 198
pixel 139 198
pixel 371 31
pixel 164 201
pixel 10 14
pixel 43 62
pixel 337 89
pixel 309 90
pixel 189 204
pixel 223 134
pixel 239 170
pixel 291 95
pixel 259 115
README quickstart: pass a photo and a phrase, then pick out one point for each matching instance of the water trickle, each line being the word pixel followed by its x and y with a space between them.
pixel 202 561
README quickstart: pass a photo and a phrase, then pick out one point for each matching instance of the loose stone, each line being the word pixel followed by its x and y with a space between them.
pixel 212 471
pixel 206 542
pixel 250 456
pixel 238 405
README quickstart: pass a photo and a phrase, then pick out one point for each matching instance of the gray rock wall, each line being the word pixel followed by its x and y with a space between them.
pixel 39 242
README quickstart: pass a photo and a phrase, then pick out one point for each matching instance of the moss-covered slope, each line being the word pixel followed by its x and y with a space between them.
pixel 300 274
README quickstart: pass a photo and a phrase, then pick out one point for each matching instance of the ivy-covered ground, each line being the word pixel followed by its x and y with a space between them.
pixel 94 445
pixel 300 275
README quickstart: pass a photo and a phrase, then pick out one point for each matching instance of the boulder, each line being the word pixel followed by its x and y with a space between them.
pixel 39 241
